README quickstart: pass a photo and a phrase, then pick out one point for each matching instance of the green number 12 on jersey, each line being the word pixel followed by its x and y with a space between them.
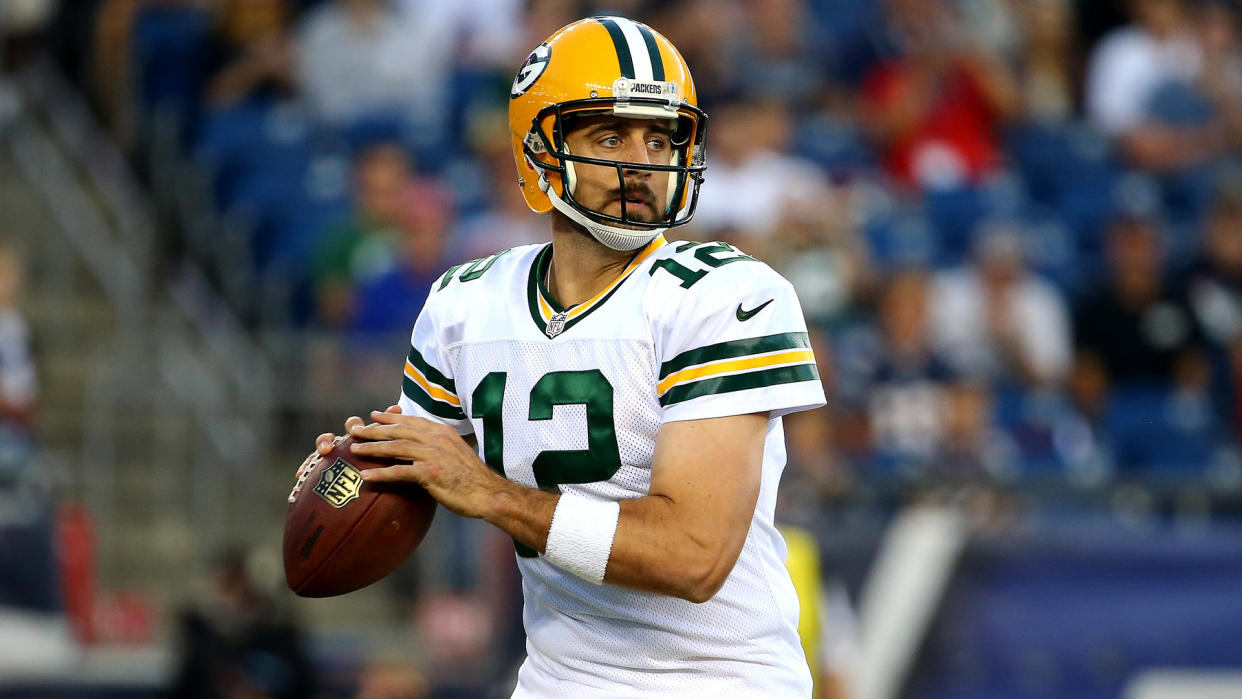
pixel 552 467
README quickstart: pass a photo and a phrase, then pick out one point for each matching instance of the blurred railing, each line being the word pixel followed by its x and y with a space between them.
pixel 176 395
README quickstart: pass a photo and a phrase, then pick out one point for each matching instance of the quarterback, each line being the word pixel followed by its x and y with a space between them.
pixel 613 400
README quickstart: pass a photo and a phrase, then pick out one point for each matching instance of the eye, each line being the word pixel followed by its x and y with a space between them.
pixel 657 143
pixel 611 141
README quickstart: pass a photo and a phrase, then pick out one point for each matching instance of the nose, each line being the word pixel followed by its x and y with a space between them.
pixel 636 152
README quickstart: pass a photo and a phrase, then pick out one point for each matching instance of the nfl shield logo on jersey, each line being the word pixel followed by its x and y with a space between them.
pixel 555 325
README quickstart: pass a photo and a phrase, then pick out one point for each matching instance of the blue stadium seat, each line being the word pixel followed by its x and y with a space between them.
pixel 293 201
pixel 898 235
pixel 259 153
pixel 1156 431
pixel 169 55
pixel 226 140
pixel 857 33
pixel 1051 248
pixel 1071 170
pixel 835 145
pixel 266 186
pixel 955 214
pixel 291 233
pixel 901 240
pixel 227 134
pixel 374 129
pixel 1036 422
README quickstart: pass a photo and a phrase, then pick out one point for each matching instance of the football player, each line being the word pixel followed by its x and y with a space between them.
pixel 625 393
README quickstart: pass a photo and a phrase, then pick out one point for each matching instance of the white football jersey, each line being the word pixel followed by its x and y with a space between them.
pixel 572 399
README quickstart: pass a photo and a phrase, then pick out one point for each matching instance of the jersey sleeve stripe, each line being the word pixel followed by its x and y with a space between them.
pixel 431 373
pixel 429 388
pixel 739 382
pixel 735 348
pixel 415 393
pixel 735 365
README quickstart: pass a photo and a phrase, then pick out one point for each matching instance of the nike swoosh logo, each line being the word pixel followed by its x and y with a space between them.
pixel 747 315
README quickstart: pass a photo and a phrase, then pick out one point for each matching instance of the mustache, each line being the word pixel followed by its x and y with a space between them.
pixel 634 191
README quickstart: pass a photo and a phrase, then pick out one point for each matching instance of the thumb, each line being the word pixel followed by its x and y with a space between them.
pixel 393 409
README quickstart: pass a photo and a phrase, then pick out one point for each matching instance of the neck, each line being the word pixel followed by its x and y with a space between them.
pixel 581 267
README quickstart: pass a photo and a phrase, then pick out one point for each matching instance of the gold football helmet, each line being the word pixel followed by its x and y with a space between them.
pixel 605 65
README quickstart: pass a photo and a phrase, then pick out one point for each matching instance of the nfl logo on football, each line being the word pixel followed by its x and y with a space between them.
pixel 339 484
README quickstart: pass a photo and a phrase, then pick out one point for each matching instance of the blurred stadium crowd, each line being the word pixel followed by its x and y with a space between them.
pixel 1015 227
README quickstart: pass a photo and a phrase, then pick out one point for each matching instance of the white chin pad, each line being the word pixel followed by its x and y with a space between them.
pixel 622 239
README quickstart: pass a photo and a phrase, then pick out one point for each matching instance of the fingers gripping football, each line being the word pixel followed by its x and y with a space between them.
pixel 438 459
pixel 327 440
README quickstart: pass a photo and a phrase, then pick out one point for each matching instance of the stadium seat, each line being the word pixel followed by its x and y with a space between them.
pixel 373 129
pixel 227 138
pixel 955 214
pixel 899 236
pixel 835 145
pixel 169 56
pixel 852 27
pixel 1051 248
pixel 1069 169
pixel 292 202
pixel 1156 431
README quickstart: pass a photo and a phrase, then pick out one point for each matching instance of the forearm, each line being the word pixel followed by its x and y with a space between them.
pixel 656 551
pixel 1161 148
pixel 652 550
pixel 523 513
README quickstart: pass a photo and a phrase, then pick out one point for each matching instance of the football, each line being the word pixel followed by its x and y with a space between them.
pixel 342 533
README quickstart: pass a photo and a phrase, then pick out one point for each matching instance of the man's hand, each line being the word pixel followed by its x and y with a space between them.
pixel 323 443
pixel 438 459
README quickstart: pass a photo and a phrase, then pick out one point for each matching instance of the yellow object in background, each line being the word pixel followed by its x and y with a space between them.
pixel 804 567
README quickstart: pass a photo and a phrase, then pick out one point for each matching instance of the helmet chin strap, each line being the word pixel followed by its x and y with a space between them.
pixel 620 239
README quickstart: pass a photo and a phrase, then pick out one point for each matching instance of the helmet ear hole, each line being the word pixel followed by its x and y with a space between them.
pixel 683 131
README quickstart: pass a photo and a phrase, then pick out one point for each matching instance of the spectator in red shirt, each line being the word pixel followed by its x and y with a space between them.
pixel 934 110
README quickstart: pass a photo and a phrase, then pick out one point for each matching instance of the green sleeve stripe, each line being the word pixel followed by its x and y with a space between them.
pixel 433 375
pixel 735 348
pixel 436 407
pixel 739 382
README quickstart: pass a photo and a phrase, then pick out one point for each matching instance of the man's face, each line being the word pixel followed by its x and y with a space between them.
pixel 1224 239
pixel 1160 17
pixel 639 141
pixel 381 176
pixel 1134 248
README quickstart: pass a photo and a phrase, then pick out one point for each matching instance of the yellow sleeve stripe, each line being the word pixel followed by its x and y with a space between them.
pixel 431 389
pixel 732 365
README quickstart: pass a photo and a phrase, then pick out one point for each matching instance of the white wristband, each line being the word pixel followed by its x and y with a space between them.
pixel 580 538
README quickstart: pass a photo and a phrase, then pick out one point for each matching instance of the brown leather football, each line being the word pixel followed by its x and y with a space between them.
pixel 342 533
